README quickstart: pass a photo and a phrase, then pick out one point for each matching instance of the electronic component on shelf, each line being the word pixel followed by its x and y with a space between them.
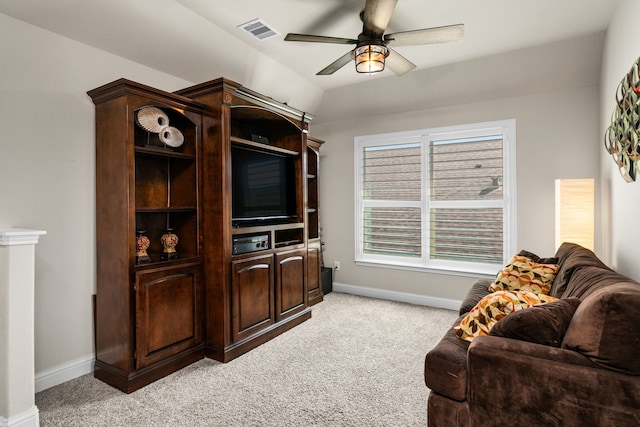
pixel 247 244
pixel 259 138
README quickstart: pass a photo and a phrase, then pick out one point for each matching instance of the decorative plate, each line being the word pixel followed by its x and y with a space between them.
pixel 171 136
pixel 152 119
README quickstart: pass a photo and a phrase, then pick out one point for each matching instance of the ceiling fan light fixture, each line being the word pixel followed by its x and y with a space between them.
pixel 370 58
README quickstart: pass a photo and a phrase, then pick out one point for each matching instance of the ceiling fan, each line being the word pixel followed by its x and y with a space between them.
pixel 373 47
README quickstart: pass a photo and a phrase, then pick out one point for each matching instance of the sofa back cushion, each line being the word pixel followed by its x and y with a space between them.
pixel 478 290
pixel 606 328
pixel 572 256
pixel 586 280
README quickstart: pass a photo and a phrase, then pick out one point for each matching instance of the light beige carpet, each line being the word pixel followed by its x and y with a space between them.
pixel 357 362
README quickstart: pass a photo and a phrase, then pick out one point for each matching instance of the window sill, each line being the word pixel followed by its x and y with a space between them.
pixel 431 270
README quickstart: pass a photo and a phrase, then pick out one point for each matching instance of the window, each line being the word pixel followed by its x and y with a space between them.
pixel 439 199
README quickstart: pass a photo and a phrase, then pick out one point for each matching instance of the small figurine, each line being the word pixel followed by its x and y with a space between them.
pixel 169 242
pixel 142 244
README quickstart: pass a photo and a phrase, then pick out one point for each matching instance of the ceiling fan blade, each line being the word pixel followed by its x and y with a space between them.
pixel 449 33
pixel 291 37
pixel 345 9
pixel 336 65
pixel 398 63
pixel 376 16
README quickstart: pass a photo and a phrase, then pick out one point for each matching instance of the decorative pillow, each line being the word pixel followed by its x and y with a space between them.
pixel 542 324
pixel 606 328
pixel 494 307
pixel 523 274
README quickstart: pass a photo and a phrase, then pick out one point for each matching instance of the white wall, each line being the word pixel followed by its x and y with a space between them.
pixel 47 171
pixel 621 200
pixel 47 176
pixel 557 137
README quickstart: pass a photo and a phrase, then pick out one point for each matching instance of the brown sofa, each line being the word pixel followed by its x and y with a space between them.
pixel 574 366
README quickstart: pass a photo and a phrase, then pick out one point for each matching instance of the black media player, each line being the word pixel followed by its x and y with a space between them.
pixel 247 244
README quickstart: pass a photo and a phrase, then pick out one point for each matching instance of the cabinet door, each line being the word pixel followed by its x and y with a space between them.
pixel 291 288
pixel 252 296
pixel 313 273
pixel 168 314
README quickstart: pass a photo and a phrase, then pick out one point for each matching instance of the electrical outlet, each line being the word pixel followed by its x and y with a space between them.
pixel 336 265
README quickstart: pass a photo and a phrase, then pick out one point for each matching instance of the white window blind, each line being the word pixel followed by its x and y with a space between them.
pixel 437 198
pixel 392 190
pixel 464 174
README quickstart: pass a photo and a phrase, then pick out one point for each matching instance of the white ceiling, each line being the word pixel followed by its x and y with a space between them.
pixel 185 37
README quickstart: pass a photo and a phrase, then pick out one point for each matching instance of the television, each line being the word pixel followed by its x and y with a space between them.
pixel 263 187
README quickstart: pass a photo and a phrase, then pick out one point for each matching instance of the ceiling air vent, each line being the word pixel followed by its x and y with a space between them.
pixel 259 29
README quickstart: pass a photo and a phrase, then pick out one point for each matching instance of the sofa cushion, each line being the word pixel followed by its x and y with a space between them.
pixel 542 324
pixel 494 307
pixel 524 274
pixel 606 328
pixel 571 257
pixel 445 366
pixel 446 412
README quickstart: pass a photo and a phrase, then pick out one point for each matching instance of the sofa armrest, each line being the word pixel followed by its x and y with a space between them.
pixel 542 385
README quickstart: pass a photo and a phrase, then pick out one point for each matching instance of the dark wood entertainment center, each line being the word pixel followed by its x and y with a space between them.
pixel 234 282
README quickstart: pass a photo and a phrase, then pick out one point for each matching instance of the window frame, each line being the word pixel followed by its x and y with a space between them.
pixel 506 128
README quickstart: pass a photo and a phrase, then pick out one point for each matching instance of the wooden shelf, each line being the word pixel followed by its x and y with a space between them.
pixel 261 146
pixel 150 317
pixel 255 295
pixel 314 248
pixel 169 209
pixel 157 262
pixel 142 186
pixel 262 228
pixel 157 151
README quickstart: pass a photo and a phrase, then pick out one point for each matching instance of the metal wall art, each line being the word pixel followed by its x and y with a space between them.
pixel 623 134
pixel 154 120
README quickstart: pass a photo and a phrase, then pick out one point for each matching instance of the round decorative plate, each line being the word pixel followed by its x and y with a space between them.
pixel 152 119
pixel 171 136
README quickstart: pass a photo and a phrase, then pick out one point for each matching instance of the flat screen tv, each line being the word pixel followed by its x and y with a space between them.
pixel 263 187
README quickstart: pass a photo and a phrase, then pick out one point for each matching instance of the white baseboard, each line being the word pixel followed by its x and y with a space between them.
pixel 449 304
pixel 79 367
pixel 63 373
pixel 30 418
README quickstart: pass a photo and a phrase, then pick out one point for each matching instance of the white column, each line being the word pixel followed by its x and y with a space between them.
pixel 17 377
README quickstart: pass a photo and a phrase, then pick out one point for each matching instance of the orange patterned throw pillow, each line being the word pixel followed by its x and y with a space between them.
pixel 524 274
pixel 494 307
